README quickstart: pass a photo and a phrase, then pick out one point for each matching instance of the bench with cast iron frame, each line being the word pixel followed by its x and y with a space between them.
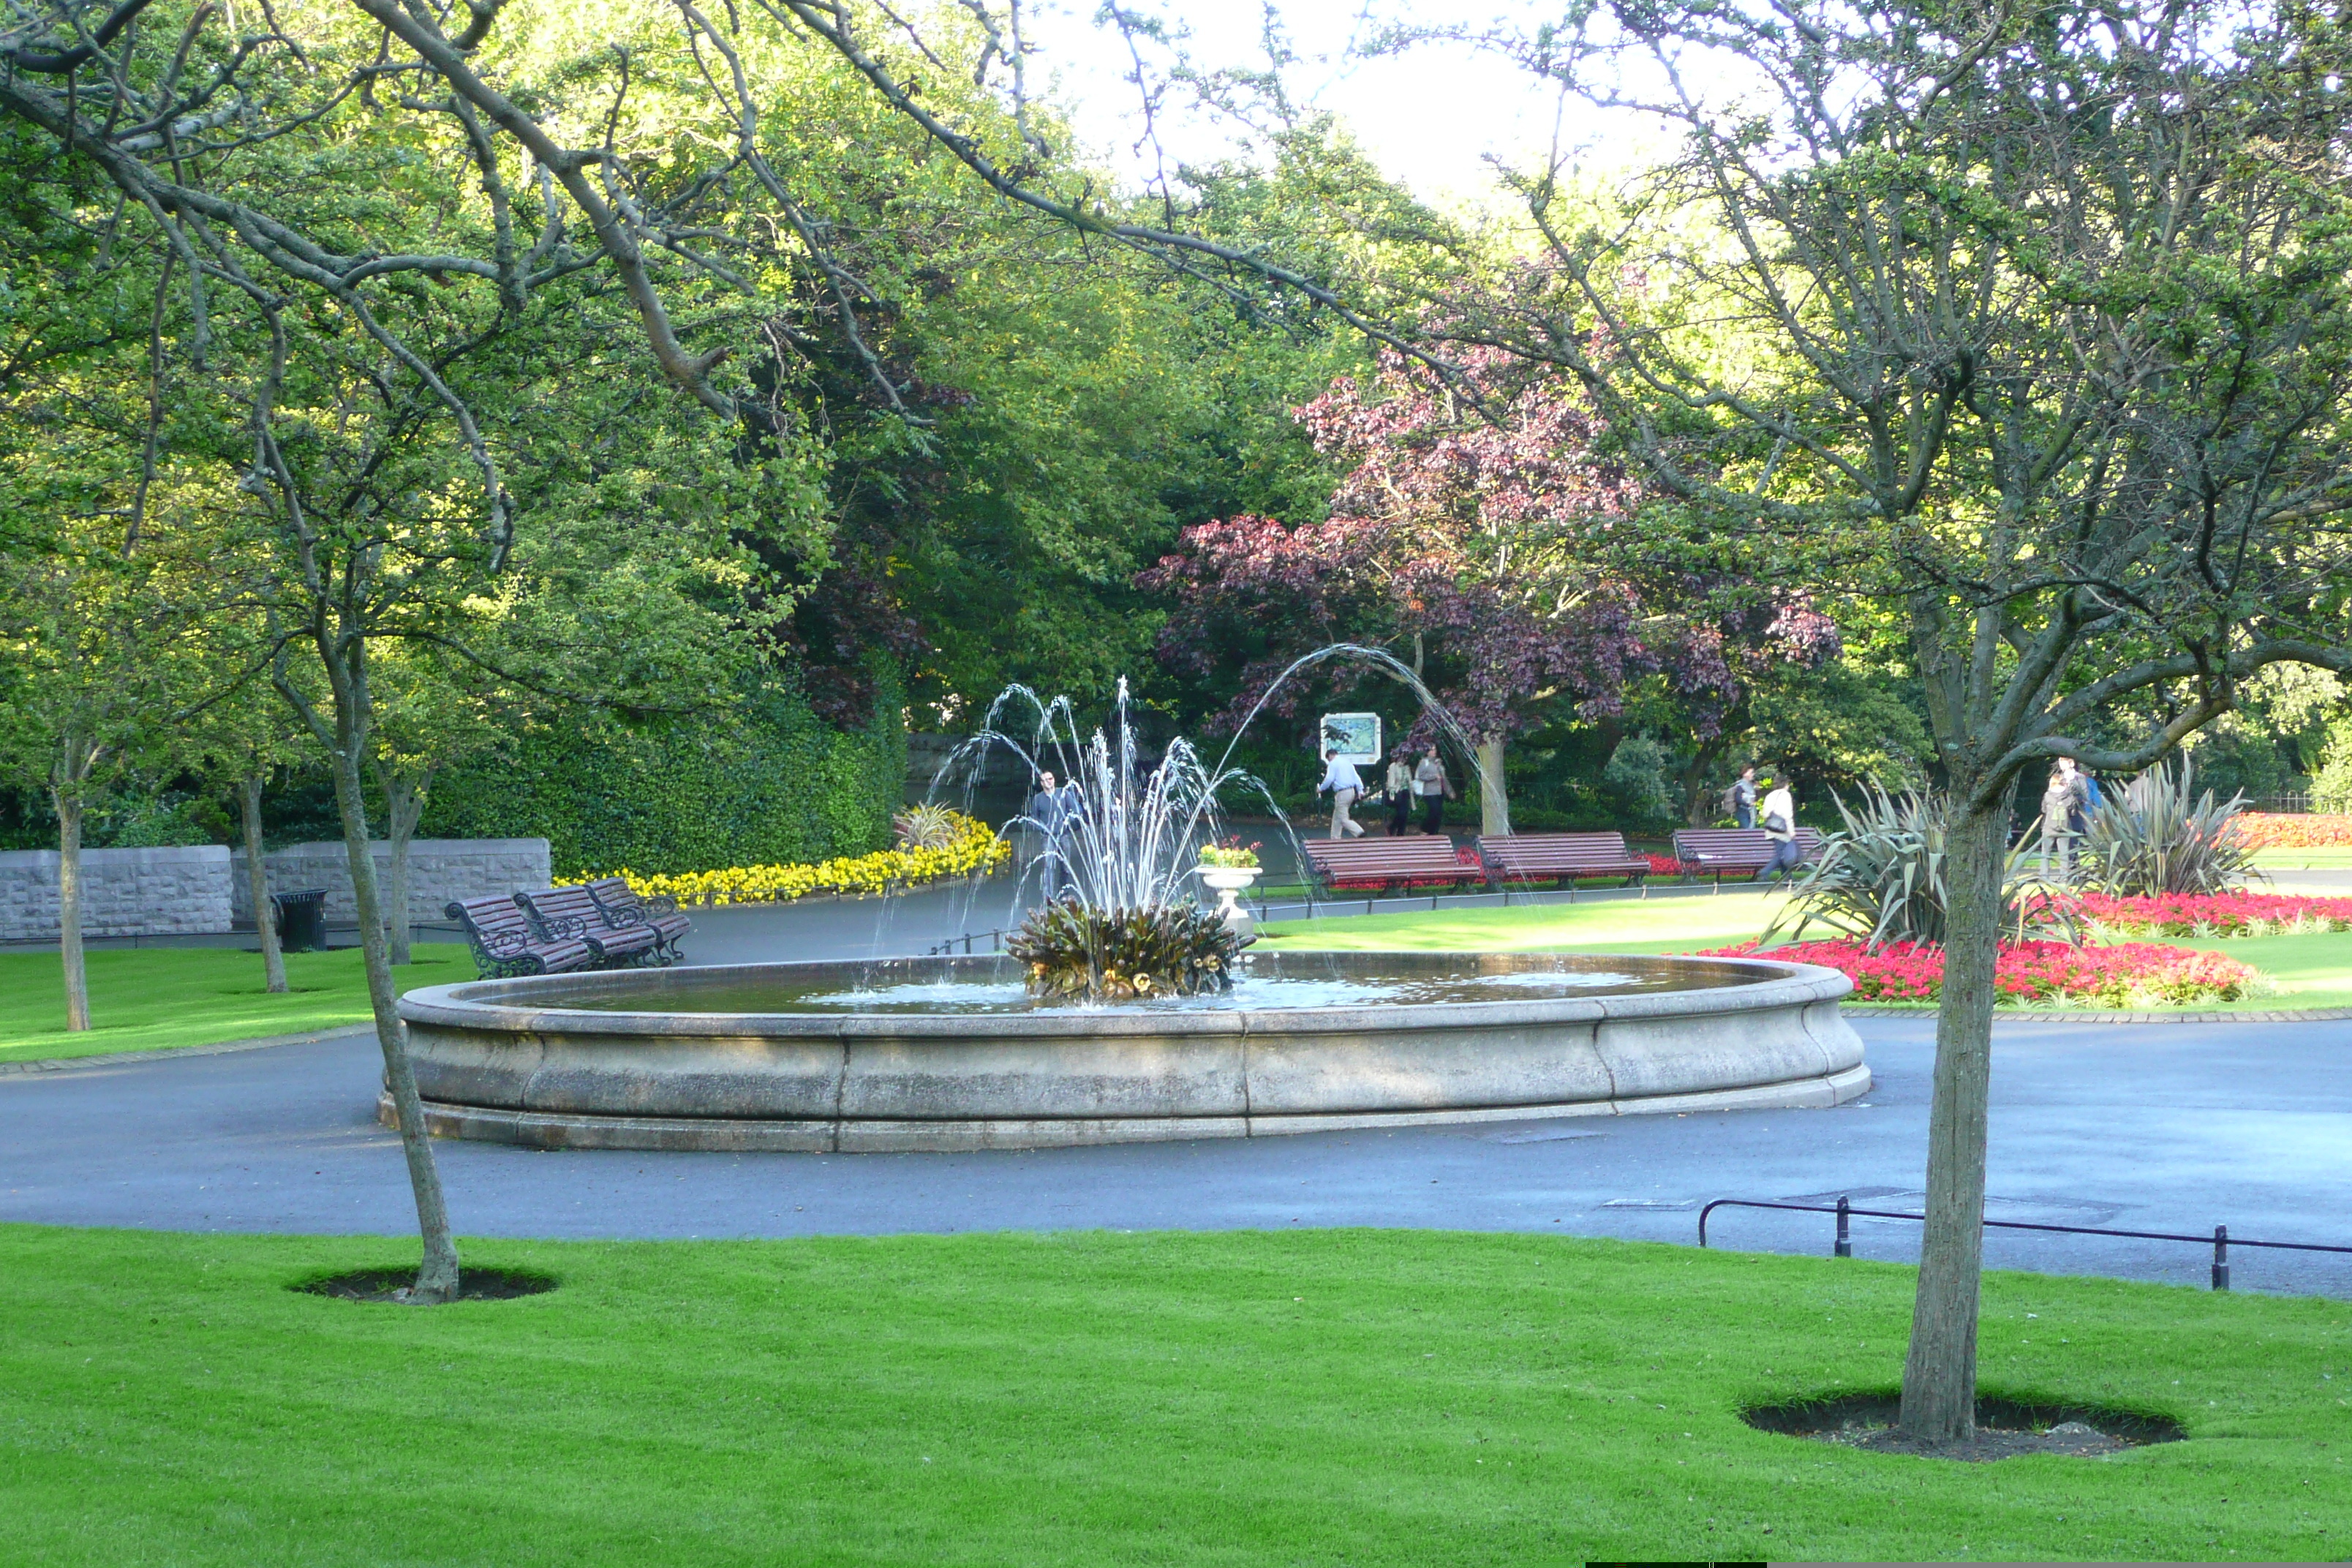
pixel 1388 862
pixel 1562 858
pixel 567 909
pixel 506 942
pixel 1736 850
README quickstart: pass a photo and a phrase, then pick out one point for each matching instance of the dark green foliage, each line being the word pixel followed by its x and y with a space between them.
pixel 767 783
pixel 2159 835
pixel 1118 955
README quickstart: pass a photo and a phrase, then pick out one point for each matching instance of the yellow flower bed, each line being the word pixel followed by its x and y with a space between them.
pixel 976 849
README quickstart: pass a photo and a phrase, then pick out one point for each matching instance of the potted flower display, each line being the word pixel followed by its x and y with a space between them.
pixel 1229 868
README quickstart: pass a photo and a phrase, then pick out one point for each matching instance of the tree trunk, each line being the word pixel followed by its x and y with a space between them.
pixel 1939 1379
pixel 1698 796
pixel 436 1276
pixel 403 800
pixel 1494 797
pixel 265 921
pixel 68 804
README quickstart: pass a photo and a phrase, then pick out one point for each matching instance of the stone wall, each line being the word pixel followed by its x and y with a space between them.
pixel 124 893
pixel 188 891
pixel 439 870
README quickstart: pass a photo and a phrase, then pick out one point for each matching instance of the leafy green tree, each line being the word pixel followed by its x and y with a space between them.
pixel 2030 323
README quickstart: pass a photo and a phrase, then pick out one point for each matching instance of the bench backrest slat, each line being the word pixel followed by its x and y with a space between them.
pixel 495 913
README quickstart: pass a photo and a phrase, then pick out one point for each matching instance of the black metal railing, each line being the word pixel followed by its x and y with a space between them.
pixel 1843 1247
pixel 995 940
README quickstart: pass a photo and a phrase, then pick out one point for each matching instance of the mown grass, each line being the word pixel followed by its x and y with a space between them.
pixel 154 998
pixel 1321 1396
pixel 2313 970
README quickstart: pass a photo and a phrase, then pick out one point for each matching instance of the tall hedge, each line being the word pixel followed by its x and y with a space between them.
pixel 765 784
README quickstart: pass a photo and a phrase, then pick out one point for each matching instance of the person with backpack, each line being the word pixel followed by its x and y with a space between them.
pixel 1739 800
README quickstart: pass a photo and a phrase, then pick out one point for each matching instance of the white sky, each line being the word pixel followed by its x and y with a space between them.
pixel 1428 119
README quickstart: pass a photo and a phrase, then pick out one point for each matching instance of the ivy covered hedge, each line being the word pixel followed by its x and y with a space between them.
pixel 763 783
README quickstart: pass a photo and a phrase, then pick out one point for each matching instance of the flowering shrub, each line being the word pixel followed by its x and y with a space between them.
pixel 2295 830
pixel 2131 974
pixel 1667 866
pixel 974 848
pixel 2217 914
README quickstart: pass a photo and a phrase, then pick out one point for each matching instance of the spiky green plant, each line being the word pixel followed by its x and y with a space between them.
pixel 2159 836
pixel 1076 951
pixel 927 826
pixel 1882 877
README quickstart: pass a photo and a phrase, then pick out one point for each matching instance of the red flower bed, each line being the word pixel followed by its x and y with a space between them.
pixel 2126 975
pixel 2215 914
pixel 1667 866
pixel 2295 830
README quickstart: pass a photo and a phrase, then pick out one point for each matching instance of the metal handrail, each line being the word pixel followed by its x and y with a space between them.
pixel 996 942
pixel 2220 1241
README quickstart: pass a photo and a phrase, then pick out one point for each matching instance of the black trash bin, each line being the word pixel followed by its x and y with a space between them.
pixel 301 920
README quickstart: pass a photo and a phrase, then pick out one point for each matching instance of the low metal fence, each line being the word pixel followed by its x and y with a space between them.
pixel 1843 1247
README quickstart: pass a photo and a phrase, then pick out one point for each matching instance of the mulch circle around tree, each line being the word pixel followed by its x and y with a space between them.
pixel 392 1285
pixel 2005 1429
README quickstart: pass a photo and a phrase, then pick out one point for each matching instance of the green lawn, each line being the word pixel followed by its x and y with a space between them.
pixel 2331 859
pixel 143 999
pixel 1244 1398
pixel 2304 971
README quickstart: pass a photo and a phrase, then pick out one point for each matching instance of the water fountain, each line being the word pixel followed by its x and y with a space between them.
pixel 1124 1012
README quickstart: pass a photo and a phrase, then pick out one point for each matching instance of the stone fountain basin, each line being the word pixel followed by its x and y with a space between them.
pixel 507 1060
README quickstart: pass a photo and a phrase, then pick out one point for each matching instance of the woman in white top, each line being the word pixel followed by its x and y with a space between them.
pixel 1434 789
pixel 1779 813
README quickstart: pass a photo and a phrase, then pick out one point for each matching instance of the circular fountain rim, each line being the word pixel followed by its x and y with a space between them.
pixel 1762 985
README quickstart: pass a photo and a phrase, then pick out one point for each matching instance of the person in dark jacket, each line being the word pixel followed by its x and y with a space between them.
pixel 1052 813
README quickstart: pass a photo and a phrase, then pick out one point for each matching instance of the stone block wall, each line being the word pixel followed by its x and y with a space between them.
pixel 439 870
pixel 204 890
pixel 125 892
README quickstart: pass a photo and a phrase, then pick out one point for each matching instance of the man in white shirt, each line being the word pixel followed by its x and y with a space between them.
pixel 1339 776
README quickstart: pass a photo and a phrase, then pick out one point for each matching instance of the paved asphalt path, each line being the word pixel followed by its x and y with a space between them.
pixel 2157 1126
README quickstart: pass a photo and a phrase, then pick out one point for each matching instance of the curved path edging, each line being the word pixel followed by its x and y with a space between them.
pixel 165 1053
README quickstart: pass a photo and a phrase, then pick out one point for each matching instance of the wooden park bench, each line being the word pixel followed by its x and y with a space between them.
pixel 561 911
pixel 1388 862
pixel 1561 858
pixel 506 942
pixel 621 906
pixel 1736 849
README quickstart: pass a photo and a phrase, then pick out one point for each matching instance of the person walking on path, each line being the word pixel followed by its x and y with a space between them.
pixel 1052 812
pixel 1434 789
pixel 1741 797
pixel 1780 826
pixel 1339 776
pixel 1400 795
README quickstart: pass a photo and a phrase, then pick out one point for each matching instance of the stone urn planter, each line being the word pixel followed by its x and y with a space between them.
pixel 1228 880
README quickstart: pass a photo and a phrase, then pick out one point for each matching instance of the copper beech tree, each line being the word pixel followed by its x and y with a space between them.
pixel 1488 541
pixel 2031 323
